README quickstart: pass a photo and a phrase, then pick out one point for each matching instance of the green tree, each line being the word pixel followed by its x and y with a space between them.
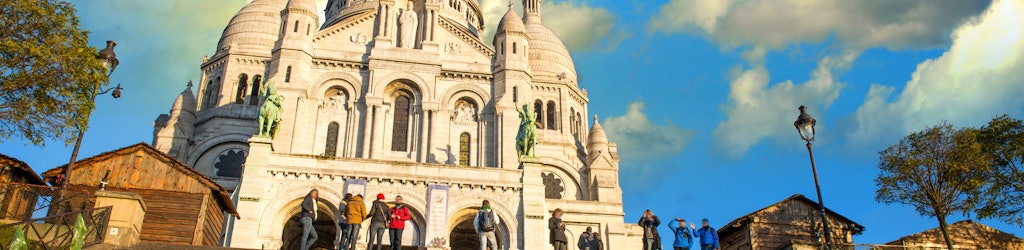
pixel 1003 198
pixel 937 171
pixel 47 71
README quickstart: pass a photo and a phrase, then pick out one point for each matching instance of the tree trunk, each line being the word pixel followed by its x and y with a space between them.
pixel 945 231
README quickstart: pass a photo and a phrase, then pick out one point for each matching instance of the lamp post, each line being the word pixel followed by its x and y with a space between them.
pixel 805 126
pixel 109 60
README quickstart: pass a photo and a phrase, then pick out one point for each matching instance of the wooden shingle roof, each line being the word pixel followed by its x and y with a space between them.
pixel 216 189
pixel 22 169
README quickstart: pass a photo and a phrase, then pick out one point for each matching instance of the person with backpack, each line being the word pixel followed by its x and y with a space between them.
pixel 650 222
pixel 379 216
pixel 589 240
pixel 683 235
pixel 342 222
pixel 399 214
pixel 708 235
pixel 356 214
pixel 485 223
pixel 557 228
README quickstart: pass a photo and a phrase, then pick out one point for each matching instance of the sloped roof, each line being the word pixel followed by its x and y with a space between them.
pixel 796 197
pixel 217 189
pixel 22 168
pixel 966 234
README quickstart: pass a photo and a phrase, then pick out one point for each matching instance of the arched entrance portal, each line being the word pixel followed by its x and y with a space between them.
pixel 324 225
pixel 463 235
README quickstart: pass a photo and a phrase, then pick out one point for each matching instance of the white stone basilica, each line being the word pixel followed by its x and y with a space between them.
pixel 401 97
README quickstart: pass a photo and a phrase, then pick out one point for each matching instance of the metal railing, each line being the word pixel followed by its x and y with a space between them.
pixel 58 231
pixel 20 201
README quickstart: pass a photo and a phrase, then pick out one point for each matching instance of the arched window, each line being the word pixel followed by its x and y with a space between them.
pixel 288 74
pixel 332 139
pixel 552 121
pixel 214 94
pixel 296 29
pixel 254 97
pixel 572 121
pixel 515 94
pixel 243 83
pixel 579 124
pixel 538 111
pixel 464 149
pixel 400 128
pixel 208 95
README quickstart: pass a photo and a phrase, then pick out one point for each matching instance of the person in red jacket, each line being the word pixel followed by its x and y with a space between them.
pixel 399 214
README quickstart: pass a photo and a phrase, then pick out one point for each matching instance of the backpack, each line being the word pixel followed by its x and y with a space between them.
pixel 486 221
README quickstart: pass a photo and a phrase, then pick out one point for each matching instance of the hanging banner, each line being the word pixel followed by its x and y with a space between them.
pixel 355 187
pixel 437 216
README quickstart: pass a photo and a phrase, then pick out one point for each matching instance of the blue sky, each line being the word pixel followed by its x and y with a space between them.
pixel 699 95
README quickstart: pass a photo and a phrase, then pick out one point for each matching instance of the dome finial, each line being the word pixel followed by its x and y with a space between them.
pixel 510 4
pixel 595 117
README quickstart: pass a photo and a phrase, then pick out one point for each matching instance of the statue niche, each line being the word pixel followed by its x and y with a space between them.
pixel 407 22
pixel 270 111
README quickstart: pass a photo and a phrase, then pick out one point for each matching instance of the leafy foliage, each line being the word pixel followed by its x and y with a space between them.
pixel 1003 198
pixel 938 171
pixel 48 72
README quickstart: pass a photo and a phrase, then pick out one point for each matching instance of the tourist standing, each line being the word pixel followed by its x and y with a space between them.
pixel 309 235
pixel 342 222
pixel 587 240
pixel 597 243
pixel 356 215
pixel 485 223
pixel 708 235
pixel 399 214
pixel 557 227
pixel 379 215
pixel 650 222
pixel 683 235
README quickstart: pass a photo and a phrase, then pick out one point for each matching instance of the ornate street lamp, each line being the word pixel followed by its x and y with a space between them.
pixel 805 126
pixel 109 60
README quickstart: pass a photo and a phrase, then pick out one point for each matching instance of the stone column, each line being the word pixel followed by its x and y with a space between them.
pixel 126 214
pixel 533 208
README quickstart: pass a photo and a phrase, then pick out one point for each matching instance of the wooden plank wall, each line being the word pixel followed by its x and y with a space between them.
pixel 214 224
pixel 170 216
pixel 777 226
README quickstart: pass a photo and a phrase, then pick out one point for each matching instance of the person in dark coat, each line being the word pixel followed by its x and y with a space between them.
pixel 650 222
pixel 557 228
pixel 380 216
pixel 590 240
pixel 309 235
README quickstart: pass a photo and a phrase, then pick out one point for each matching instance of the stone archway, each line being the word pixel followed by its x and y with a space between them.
pixel 462 235
pixel 326 230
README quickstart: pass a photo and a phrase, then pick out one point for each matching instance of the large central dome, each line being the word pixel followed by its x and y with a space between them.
pixel 549 59
pixel 254 28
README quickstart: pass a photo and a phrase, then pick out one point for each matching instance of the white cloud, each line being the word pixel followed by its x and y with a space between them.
pixel 979 77
pixel 643 143
pixel 757 111
pixel 856 24
pixel 581 27
pixel 640 139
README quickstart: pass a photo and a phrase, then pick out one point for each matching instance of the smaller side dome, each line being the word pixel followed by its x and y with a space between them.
pixel 185 100
pixel 597 140
pixel 302 4
pixel 511 21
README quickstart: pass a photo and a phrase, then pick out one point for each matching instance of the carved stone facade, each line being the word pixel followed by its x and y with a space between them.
pixel 365 110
